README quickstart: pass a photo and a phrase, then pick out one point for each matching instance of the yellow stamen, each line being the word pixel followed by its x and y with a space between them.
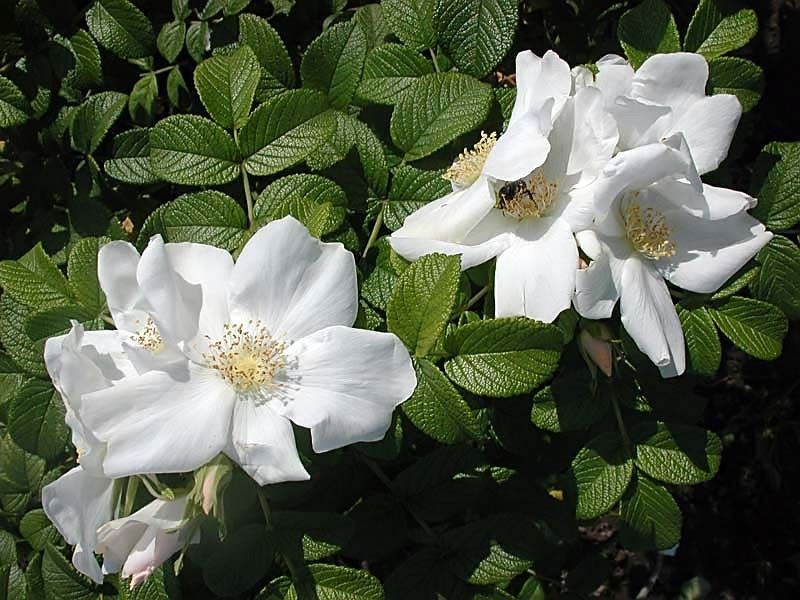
pixel 246 355
pixel 648 231
pixel 469 164
pixel 149 337
pixel 532 198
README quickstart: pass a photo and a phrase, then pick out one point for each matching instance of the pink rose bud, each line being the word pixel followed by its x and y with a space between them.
pixel 598 350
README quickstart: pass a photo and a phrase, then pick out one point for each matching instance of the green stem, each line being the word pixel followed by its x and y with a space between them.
pixel 388 483
pixel 303 585
pixel 158 71
pixel 248 196
pixel 130 495
pixel 433 58
pixel 376 230
pixel 477 297
pixel 623 431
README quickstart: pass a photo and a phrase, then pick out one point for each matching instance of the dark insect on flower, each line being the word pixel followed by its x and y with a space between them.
pixel 512 192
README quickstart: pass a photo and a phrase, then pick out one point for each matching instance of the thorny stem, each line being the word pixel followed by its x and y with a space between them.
pixel 305 588
pixel 388 483
pixel 376 229
pixel 433 58
pixel 246 184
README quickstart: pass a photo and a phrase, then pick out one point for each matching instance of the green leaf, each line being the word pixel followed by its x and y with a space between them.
pixel 370 19
pixel 778 280
pixel 313 200
pixel 82 274
pixel 412 21
pixel 333 582
pixel 284 131
pixel 37 529
pixel 180 9
pixel 313 535
pixel 351 132
pixel 476 33
pixel 11 379
pixel 503 357
pixel 170 39
pixel 207 217
pixel 131 162
pixel 650 518
pixel 602 471
pixel 334 61
pixel 277 71
pixel 227 85
pixel 437 482
pixel 423 300
pixel 412 189
pixel 676 453
pixel 88 71
pixel 388 71
pixel 776 178
pixel 20 475
pixel 297 187
pixel 756 327
pixel 177 90
pixel 702 339
pixel 193 150
pixel 648 29
pixel 237 563
pixel 737 76
pixel 435 110
pixel 738 281
pixel 121 27
pixel 49 322
pixel 35 280
pixel 61 580
pixel 25 352
pixel 718 27
pixel 92 120
pixel 198 40
pixel 36 419
pixel 142 101
pixel 569 404
pixel 14 107
pixel 437 409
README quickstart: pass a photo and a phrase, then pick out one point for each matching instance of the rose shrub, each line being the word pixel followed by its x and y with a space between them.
pixel 314 300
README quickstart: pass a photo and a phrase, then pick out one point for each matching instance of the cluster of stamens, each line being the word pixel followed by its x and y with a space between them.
pixel 648 231
pixel 246 355
pixel 531 198
pixel 149 337
pixel 467 167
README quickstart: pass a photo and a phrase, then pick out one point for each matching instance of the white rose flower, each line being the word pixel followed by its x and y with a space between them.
pixel 138 544
pixel 667 95
pixel 78 503
pixel 263 343
pixel 530 193
pixel 656 221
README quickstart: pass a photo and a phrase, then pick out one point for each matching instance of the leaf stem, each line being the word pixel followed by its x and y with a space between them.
pixel 248 196
pixel 433 58
pixel 388 483
pixel 376 230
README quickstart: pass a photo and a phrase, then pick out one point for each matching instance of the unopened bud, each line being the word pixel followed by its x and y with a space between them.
pixel 599 351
